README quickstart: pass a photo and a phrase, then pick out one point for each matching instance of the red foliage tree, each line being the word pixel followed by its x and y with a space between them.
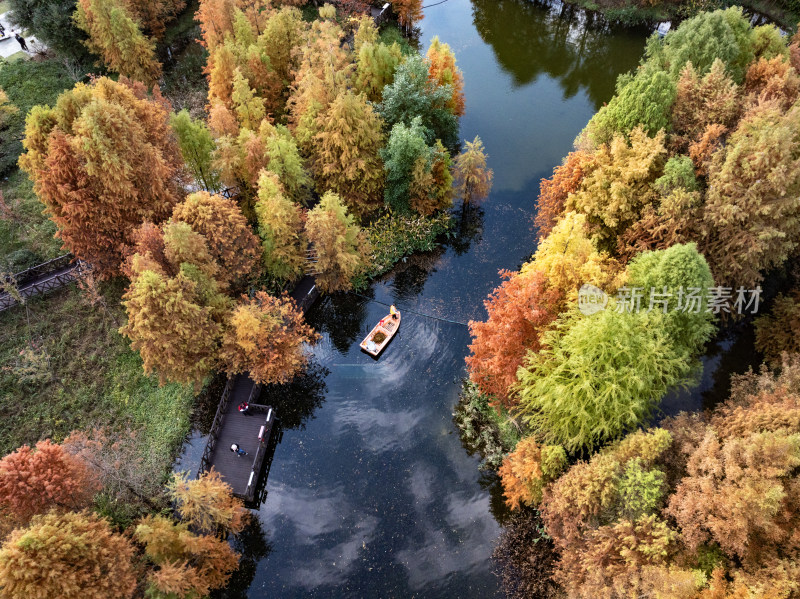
pixel 518 311
pixel 36 480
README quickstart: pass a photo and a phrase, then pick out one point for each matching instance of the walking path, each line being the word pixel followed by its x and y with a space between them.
pixel 10 46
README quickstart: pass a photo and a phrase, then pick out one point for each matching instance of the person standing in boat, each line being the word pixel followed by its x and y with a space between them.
pixel 393 311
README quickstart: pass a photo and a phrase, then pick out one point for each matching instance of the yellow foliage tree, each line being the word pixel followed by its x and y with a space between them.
pixel 208 503
pixel 265 338
pixel 280 225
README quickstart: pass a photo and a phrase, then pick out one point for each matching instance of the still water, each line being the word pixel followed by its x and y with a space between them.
pixel 371 493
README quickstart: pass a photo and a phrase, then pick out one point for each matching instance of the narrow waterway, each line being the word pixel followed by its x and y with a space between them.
pixel 371 493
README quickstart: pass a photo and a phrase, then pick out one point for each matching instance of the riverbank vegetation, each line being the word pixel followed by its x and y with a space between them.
pixel 687 179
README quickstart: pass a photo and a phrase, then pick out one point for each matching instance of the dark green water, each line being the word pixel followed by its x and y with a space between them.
pixel 371 493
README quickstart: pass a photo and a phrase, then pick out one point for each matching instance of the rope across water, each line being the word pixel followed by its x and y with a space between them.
pixel 464 324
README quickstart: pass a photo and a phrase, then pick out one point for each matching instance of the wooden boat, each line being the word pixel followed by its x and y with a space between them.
pixel 388 327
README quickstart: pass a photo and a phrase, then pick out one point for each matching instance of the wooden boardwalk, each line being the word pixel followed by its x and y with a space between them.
pixel 40 279
pixel 256 433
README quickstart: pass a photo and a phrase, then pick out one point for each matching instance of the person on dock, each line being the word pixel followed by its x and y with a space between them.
pixel 238 450
pixel 244 408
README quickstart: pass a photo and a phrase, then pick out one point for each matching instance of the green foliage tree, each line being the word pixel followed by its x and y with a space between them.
pixel 339 243
pixel 643 101
pixel 50 21
pixel 70 556
pixel 598 377
pixel 346 156
pixel 376 64
pixel 722 34
pixel 197 147
pixel 412 95
pixel 406 146
pixel 280 225
pixel 666 274
pixel 115 36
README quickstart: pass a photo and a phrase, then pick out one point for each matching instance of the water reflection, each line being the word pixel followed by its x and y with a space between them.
pixel 467 230
pixel 341 316
pixel 578 48
pixel 253 546
pixel 296 402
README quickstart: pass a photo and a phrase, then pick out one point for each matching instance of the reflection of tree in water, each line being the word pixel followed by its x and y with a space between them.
pixel 490 482
pixel 578 48
pixel 296 402
pixel 467 229
pixel 341 316
pixel 253 546
pixel 736 348
pixel 410 274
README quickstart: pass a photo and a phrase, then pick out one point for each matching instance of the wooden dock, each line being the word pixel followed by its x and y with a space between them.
pixel 257 433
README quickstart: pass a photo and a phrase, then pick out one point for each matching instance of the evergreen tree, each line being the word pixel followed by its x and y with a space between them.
pixel 230 240
pixel 207 503
pixel 249 108
pixel 413 94
pixel 168 323
pixel 338 242
pixel 376 64
pixel 280 225
pixel 50 21
pixel 115 36
pixel 431 187
pixel 406 146
pixel 189 565
pixel 197 147
pixel 346 152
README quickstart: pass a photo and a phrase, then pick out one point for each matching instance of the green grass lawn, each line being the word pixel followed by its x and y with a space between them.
pixel 87 377
pixel 4 6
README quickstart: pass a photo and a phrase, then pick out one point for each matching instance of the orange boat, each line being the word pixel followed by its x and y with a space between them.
pixel 379 337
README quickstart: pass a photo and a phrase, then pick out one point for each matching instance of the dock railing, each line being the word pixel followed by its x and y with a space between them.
pixel 205 461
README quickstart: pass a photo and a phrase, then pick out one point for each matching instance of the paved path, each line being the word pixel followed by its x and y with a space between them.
pixel 9 45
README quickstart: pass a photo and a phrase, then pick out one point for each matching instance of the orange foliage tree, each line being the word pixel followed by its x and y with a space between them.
pixel 553 192
pixel 230 239
pixel 442 70
pixel 526 470
pixel 189 564
pixel 409 12
pixel 35 480
pixel 518 311
pixel 102 161
pixel 779 331
pixel 265 337
pixel 69 556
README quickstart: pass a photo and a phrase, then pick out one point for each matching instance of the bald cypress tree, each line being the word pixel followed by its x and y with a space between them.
pixel 115 36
